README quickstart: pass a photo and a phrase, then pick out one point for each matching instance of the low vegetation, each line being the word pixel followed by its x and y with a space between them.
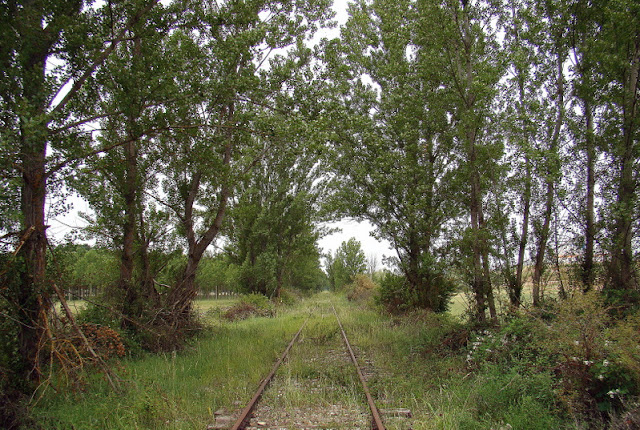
pixel 569 365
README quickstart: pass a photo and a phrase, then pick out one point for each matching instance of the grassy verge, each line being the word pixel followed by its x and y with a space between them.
pixel 205 305
pixel 420 362
pixel 178 391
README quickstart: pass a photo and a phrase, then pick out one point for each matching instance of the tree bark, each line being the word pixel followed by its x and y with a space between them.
pixel 516 287
pixel 127 261
pixel 516 295
pixel 32 300
pixel 551 173
pixel 183 292
pixel 38 34
pixel 589 233
pixel 622 270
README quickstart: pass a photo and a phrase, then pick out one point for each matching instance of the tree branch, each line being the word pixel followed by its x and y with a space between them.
pixel 97 62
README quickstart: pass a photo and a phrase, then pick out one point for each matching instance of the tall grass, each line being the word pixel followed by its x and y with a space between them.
pixel 178 390
pixel 420 364
pixel 418 361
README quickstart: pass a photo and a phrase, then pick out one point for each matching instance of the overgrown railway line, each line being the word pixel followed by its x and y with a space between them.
pixel 243 420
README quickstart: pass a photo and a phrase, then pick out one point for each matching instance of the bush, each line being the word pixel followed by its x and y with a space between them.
pixel 430 289
pixel 288 297
pixel 591 361
pixel 515 382
pixel 586 371
pixel 395 294
pixel 361 289
pixel 250 305
pixel 518 344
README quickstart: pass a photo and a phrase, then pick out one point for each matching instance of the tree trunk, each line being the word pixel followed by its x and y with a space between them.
pixel 516 290
pixel 32 300
pixel 552 172
pixel 478 282
pixel 182 294
pixel 516 296
pixel 127 261
pixel 149 291
pixel 589 234
pixel 543 237
pixel 622 271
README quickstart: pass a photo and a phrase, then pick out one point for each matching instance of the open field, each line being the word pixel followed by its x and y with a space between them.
pixel 201 305
pixel 204 305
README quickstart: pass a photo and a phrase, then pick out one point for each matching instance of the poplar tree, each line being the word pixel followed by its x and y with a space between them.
pixel 393 150
pixel 50 54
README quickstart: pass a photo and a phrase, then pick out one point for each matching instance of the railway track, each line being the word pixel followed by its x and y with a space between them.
pixel 243 420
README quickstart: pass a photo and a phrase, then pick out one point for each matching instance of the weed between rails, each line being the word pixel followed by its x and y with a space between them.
pixel 318 385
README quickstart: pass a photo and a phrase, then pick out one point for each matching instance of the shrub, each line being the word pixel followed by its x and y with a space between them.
pixel 438 333
pixel 395 295
pixel 518 344
pixel 361 289
pixel 598 359
pixel 250 305
pixel 288 297
pixel 398 295
pixel 515 371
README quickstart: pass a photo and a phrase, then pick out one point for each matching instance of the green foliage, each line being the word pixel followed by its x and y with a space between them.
pixel 362 289
pixel 579 357
pixel 398 295
pixel 395 295
pixel 518 344
pixel 595 378
pixel 215 274
pixel 272 230
pixel 348 262
pixel 93 269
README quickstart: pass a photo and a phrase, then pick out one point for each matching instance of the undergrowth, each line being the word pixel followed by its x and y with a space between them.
pixel 180 389
pixel 570 365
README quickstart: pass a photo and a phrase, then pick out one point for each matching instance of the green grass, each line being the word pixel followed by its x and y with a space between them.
pixel 75 306
pixel 204 305
pixel 403 357
pixel 178 391
pixel 415 371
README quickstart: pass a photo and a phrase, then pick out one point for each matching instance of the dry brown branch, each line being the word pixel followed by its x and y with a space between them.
pixel 24 238
pixel 72 320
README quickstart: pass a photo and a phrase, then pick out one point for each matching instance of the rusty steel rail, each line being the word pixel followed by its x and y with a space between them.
pixel 375 414
pixel 245 415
